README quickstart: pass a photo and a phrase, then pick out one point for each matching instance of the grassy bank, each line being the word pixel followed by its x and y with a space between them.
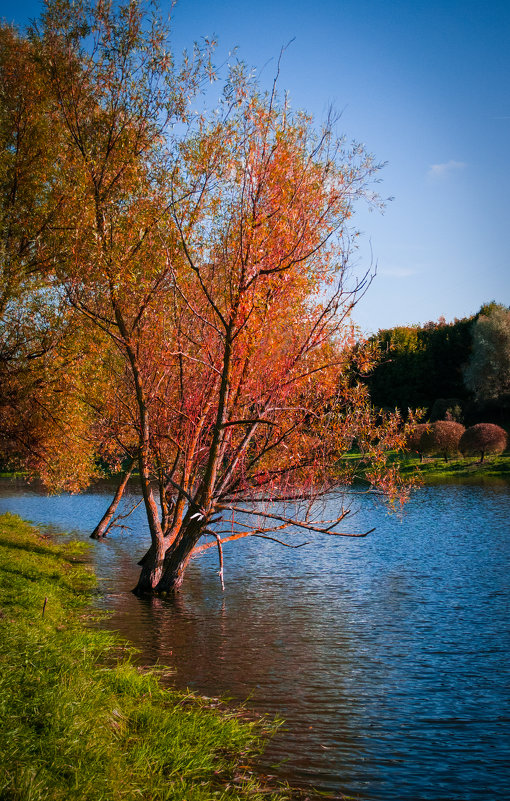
pixel 435 471
pixel 79 721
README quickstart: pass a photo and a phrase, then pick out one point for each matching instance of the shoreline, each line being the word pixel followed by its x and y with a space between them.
pixel 433 471
pixel 81 720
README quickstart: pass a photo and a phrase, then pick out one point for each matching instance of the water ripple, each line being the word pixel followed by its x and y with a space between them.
pixel 387 657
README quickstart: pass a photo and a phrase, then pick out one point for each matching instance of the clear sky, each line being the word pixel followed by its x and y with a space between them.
pixel 426 87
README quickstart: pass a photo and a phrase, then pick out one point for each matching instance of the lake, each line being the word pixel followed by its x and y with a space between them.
pixel 387 657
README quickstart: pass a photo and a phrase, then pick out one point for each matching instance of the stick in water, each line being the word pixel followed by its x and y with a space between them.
pixel 220 554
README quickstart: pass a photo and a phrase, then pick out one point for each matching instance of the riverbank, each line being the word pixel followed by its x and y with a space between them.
pixel 437 471
pixel 431 471
pixel 80 721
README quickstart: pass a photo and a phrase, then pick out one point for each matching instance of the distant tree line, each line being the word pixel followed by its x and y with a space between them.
pixel 456 371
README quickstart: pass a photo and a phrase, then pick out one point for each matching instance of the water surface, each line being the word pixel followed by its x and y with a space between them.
pixel 386 656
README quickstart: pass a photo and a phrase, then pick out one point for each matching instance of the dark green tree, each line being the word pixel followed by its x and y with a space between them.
pixel 487 373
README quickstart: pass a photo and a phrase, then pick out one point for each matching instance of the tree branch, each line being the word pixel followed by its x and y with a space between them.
pixel 298 523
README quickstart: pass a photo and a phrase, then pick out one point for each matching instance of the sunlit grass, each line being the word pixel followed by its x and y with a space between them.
pixel 437 469
pixel 79 720
pixel 434 470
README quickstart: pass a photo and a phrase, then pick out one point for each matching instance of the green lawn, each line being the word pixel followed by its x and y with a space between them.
pixel 79 720
pixel 434 471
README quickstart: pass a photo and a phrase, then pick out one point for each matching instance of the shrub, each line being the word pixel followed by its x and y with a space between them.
pixel 483 438
pixel 442 437
pixel 446 409
pixel 414 440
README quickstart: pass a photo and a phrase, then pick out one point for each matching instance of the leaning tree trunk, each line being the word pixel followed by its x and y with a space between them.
pixel 164 565
pixel 101 530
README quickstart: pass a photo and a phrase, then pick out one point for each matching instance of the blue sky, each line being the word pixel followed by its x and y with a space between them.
pixel 426 87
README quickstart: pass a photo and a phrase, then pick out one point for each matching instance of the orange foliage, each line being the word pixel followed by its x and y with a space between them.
pixel 213 275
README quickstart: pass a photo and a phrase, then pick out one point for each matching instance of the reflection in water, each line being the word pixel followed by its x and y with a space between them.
pixel 387 657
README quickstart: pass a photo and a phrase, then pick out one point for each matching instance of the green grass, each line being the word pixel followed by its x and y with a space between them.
pixel 79 720
pixel 13 474
pixel 436 471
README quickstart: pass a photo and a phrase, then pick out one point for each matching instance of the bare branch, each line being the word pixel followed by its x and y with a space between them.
pixel 249 422
pixel 299 523
pixel 220 556
pixel 238 536
pixel 286 544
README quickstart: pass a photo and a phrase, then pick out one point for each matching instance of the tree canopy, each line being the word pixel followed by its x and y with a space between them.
pixel 442 437
pixel 455 370
pixel 487 373
pixel 420 364
pixel 198 268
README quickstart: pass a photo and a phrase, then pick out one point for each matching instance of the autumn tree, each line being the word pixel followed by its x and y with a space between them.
pixel 25 159
pixel 483 438
pixel 207 257
pixel 29 140
pixel 263 407
pixel 45 417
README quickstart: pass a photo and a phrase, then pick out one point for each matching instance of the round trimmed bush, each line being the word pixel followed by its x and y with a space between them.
pixel 442 438
pixel 483 438
pixel 414 440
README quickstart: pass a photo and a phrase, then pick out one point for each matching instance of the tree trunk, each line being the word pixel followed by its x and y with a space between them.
pixel 163 570
pixel 101 530
pixel 152 566
pixel 176 561
pixel 152 569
